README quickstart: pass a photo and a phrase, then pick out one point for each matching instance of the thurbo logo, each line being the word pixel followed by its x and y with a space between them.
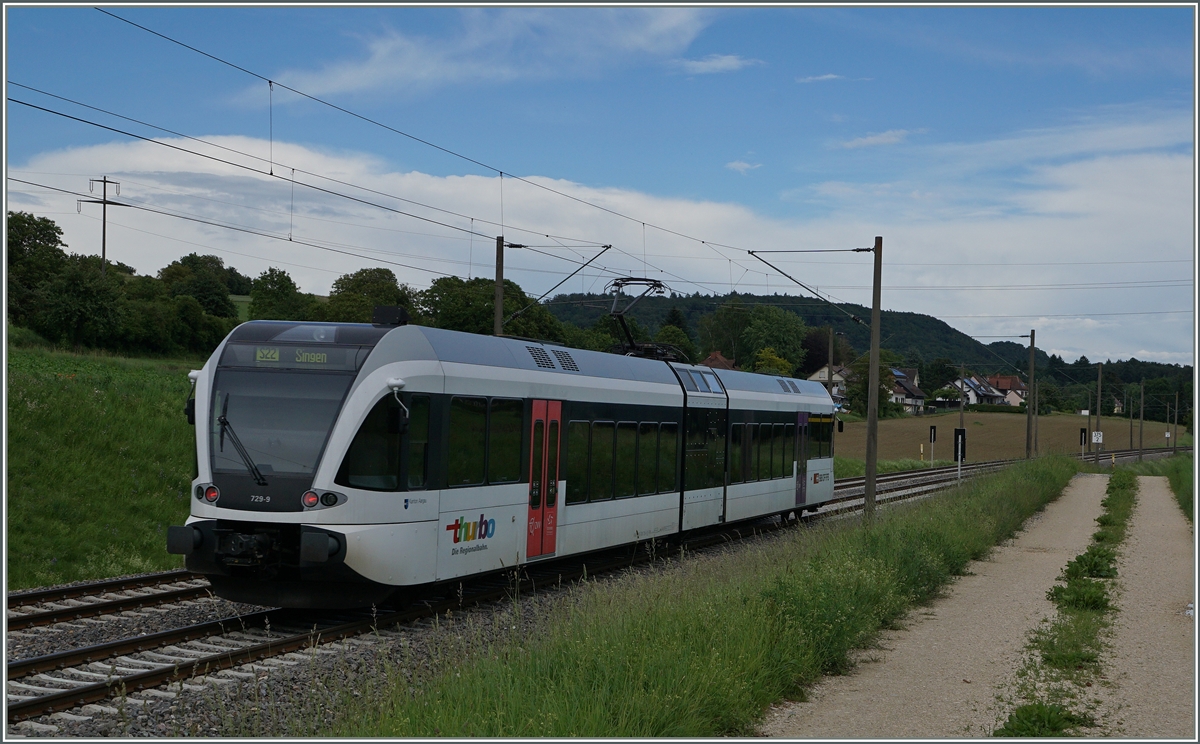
pixel 820 478
pixel 465 531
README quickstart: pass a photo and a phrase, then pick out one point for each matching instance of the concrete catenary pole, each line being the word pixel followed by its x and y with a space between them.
pixel 498 319
pixel 1142 420
pixel 873 391
pixel 1129 410
pixel 1037 405
pixel 1089 423
pixel 1099 405
pixel 830 360
pixel 962 394
pixel 1175 435
pixel 1030 404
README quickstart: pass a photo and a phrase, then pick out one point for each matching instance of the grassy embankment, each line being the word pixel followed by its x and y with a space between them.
pixel 1065 651
pixel 99 464
pixel 702 648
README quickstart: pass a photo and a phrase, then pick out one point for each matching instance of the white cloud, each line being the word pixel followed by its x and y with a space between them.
pixel 951 227
pixel 742 166
pixel 819 78
pixel 505 45
pixel 715 63
pixel 890 137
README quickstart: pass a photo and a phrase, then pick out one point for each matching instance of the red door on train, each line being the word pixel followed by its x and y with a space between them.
pixel 544 441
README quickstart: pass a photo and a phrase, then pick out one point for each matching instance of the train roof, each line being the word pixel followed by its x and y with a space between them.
pixel 414 342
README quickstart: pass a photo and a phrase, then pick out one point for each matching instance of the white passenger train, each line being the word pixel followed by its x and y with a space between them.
pixel 338 463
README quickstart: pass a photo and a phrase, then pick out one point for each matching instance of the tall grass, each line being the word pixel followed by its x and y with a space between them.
pixel 1179 471
pixel 702 648
pixel 848 467
pixel 99 464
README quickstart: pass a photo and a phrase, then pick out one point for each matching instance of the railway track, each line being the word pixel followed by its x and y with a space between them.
pixel 192 655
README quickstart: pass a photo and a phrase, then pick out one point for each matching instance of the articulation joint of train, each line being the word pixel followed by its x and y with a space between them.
pixel 340 463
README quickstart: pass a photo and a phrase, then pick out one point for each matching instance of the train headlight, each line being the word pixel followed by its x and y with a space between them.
pixel 310 499
pixel 329 499
pixel 211 494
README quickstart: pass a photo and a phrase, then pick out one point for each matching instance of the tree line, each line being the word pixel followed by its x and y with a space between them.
pixel 186 308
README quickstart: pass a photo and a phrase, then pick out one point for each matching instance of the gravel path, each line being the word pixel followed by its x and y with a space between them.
pixel 1152 661
pixel 940 675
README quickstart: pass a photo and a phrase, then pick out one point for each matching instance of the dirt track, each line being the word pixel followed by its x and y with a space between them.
pixel 1152 661
pixel 947 673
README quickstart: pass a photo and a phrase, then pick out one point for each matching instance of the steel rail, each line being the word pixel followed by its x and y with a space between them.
pixel 107 606
pixel 38 596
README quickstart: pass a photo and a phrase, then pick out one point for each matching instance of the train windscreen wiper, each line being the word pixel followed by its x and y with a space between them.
pixel 237 444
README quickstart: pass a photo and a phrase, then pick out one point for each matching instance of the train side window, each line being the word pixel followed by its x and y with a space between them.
pixel 668 457
pixel 736 456
pixel 647 457
pixel 832 430
pixel 602 461
pixel 505 421
pixel 777 451
pixel 686 378
pixel 577 461
pixel 789 450
pixel 626 459
pixel 751 446
pixel 701 383
pixel 373 460
pixel 418 442
pixel 468 436
pixel 814 428
pixel 764 452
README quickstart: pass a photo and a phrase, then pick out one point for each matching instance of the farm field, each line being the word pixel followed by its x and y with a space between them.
pixel 991 436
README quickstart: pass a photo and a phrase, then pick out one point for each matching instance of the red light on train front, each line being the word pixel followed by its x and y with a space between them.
pixel 310 499
pixel 211 494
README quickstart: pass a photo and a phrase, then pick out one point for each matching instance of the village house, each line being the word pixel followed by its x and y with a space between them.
pixel 906 392
pixel 1015 391
pixel 717 360
pixel 977 391
pixel 840 376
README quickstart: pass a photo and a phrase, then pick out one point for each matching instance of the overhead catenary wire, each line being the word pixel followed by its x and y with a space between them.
pixel 331 179
pixel 413 137
pixel 556 286
pixel 247 230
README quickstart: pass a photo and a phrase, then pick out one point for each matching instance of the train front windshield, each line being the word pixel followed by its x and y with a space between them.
pixel 281 418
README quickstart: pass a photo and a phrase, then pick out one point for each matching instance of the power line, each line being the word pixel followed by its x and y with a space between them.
pixel 242 166
pixel 284 165
pixel 416 138
pixel 240 229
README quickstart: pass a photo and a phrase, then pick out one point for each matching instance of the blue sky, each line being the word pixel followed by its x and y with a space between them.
pixel 993 148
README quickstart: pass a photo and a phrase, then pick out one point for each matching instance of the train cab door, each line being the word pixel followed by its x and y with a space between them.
pixel 544 439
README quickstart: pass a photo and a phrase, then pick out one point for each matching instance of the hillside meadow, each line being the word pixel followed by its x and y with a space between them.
pixel 99 464
pixel 991 436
